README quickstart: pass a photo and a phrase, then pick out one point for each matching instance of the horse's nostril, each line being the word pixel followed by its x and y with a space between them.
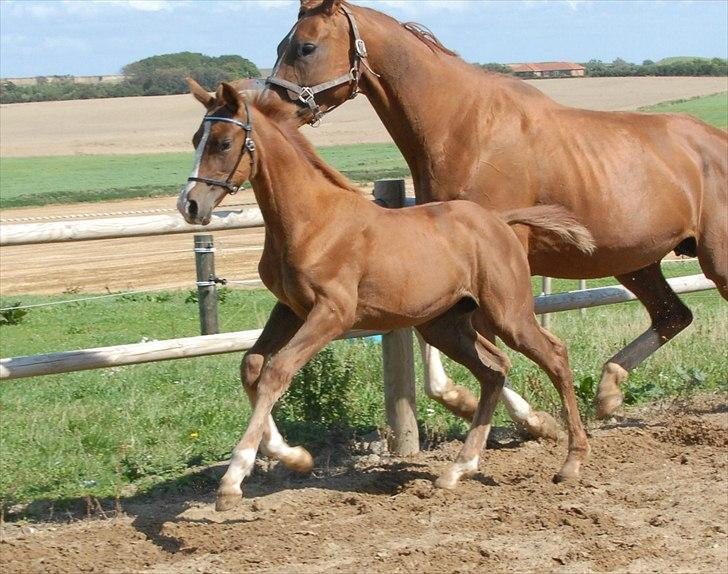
pixel 192 208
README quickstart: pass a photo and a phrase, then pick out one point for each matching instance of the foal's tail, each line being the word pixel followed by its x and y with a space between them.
pixel 555 220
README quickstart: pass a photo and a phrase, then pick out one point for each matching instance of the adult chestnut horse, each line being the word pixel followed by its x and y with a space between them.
pixel 327 259
pixel 643 184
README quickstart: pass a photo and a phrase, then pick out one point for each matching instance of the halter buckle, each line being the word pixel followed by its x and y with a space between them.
pixel 307 96
pixel 249 144
pixel 360 47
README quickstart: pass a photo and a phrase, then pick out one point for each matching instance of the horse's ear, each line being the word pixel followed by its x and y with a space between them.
pixel 201 94
pixel 330 6
pixel 228 96
pixel 327 6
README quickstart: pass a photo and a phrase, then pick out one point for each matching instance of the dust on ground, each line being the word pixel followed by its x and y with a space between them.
pixel 653 498
pixel 154 124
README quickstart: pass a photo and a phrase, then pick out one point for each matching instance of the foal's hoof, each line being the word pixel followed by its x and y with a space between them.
pixel 227 501
pixel 570 472
pixel 447 481
pixel 299 460
pixel 542 425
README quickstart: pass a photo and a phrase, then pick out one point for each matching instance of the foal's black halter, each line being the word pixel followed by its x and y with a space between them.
pixel 307 94
pixel 248 145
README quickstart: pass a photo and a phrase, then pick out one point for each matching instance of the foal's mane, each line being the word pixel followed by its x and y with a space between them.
pixel 280 115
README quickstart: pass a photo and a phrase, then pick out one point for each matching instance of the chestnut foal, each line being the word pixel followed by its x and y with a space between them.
pixel 328 259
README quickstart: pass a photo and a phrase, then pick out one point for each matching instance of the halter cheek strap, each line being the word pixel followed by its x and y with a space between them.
pixel 248 146
pixel 307 94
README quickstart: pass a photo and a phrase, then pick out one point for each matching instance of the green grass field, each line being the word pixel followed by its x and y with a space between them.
pixel 112 430
pixel 70 179
pixel 711 109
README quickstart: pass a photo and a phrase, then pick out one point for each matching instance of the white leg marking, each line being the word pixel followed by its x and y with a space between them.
pixel 275 447
pixel 518 409
pixel 241 465
pixel 435 378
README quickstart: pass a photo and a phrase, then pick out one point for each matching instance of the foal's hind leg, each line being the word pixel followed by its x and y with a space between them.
pixel 523 334
pixel 669 316
pixel 279 329
pixel 455 336
pixel 461 402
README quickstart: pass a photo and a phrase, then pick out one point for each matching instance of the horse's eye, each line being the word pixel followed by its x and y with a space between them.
pixel 306 49
pixel 225 145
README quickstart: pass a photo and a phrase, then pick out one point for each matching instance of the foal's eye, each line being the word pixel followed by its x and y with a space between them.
pixel 306 49
pixel 225 145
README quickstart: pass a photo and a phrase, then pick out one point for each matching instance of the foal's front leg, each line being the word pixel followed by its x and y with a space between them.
pixel 324 323
pixel 279 329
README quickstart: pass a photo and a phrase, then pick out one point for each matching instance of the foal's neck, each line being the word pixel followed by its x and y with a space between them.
pixel 293 194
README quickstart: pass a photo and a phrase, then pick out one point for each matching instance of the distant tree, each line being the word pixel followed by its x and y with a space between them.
pixel 494 67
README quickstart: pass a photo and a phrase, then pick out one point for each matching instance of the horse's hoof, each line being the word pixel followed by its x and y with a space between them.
pixel 542 425
pixel 447 482
pixel 299 460
pixel 227 501
pixel 607 404
pixel 570 472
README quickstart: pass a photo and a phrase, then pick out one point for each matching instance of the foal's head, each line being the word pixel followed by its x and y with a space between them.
pixel 225 156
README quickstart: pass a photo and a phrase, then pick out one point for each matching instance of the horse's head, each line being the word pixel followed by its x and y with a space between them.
pixel 225 153
pixel 321 59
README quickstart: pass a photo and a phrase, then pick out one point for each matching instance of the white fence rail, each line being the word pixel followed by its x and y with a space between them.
pixel 65 362
pixel 116 227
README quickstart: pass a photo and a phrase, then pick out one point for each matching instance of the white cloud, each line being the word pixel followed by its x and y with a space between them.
pixel 413 7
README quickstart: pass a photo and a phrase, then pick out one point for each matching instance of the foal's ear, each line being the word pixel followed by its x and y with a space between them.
pixel 229 97
pixel 201 94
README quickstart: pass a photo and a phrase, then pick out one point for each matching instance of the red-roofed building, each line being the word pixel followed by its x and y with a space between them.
pixel 548 70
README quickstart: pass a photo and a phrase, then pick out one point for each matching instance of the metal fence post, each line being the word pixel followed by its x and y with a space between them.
pixel 546 290
pixel 582 286
pixel 206 286
pixel 398 358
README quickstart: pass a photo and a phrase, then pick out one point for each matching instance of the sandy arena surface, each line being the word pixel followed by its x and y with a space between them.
pixel 653 498
pixel 153 124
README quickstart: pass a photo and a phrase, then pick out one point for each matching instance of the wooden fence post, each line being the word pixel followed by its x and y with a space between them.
pixel 398 357
pixel 206 286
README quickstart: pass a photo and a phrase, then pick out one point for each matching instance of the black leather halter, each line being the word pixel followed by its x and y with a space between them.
pixel 248 145
pixel 307 94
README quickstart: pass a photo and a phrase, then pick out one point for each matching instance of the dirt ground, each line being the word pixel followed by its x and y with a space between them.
pixel 653 498
pixel 166 123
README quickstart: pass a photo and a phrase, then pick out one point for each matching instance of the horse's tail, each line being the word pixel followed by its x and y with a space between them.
pixel 556 220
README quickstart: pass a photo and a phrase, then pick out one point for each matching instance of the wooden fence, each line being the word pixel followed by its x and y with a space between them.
pixel 397 347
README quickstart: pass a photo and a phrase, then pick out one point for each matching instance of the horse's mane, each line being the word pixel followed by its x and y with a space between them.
pixel 426 36
pixel 279 113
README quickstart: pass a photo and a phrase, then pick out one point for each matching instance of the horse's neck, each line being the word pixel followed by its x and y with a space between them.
pixel 288 189
pixel 427 100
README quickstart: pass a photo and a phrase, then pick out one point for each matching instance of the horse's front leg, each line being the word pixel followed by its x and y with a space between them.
pixel 325 322
pixel 280 328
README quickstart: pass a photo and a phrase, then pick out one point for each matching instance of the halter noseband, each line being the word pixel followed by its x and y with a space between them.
pixel 248 145
pixel 307 94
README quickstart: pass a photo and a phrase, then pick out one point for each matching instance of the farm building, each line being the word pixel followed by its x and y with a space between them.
pixel 548 70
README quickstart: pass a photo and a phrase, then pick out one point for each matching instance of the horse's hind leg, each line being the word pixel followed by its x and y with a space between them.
pixel 524 334
pixel 461 402
pixel 669 316
pixel 455 336
pixel 713 247
pixel 279 329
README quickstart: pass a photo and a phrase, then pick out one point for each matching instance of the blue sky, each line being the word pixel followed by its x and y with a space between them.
pixel 89 37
